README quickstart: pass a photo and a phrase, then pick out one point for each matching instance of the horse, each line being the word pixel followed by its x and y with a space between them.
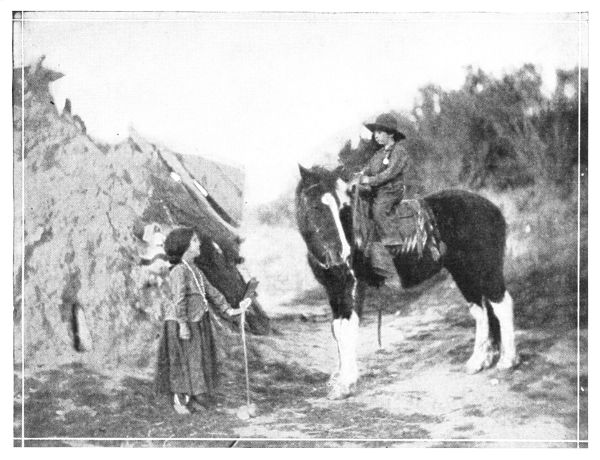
pixel 472 231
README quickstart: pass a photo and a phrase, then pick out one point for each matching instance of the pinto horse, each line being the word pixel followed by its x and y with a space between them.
pixel 473 231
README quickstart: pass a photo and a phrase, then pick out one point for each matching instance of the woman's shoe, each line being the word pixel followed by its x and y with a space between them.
pixel 179 406
pixel 196 405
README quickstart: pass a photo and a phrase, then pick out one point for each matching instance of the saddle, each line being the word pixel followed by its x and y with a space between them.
pixel 410 228
pixel 413 228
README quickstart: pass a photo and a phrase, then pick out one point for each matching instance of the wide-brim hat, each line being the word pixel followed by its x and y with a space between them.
pixel 388 123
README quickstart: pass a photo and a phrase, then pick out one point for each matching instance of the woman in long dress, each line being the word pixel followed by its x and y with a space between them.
pixel 187 361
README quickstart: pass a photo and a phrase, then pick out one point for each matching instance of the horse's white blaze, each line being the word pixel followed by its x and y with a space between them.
pixel 340 190
pixel 504 313
pixel 329 200
pixel 345 332
pixel 482 351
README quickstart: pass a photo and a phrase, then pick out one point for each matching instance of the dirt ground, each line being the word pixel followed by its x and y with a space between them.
pixel 412 392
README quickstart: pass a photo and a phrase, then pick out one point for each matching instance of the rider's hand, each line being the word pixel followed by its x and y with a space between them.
pixel 355 180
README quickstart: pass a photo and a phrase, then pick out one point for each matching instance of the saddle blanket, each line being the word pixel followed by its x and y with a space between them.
pixel 410 228
pixel 413 228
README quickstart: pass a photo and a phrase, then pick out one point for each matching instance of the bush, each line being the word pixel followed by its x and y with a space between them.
pixel 279 212
pixel 492 132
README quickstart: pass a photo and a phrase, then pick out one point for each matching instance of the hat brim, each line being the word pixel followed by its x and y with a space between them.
pixel 377 127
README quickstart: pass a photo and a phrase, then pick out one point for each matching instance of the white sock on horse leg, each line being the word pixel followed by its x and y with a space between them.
pixel 482 350
pixel 336 332
pixel 505 315
pixel 351 327
pixel 347 337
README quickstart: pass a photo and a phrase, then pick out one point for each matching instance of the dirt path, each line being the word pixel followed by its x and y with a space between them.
pixel 412 391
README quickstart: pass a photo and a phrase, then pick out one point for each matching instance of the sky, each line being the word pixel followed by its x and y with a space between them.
pixel 268 91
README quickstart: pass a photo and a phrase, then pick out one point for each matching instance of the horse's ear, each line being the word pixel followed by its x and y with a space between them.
pixel 305 174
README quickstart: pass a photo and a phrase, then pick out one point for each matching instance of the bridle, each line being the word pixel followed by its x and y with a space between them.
pixel 319 229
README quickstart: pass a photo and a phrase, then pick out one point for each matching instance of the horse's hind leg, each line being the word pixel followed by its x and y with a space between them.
pixel 469 283
pixel 483 350
pixel 504 312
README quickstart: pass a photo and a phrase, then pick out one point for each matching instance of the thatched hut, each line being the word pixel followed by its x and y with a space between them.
pixel 82 290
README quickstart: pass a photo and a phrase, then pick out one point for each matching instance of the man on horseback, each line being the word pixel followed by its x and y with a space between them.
pixel 384 176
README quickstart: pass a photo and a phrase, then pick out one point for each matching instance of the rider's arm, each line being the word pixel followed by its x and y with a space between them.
pixel 398 162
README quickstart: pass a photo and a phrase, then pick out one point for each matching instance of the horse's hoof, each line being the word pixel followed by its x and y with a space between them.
pixel 333 380
pixel 341 391
pixel 337 394
pixel 507 362
pixel 477 363
pixel 473 367
pixel 334 395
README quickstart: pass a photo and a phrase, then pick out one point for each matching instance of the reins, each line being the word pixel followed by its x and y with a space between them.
pixel 354 223
pixel 353 249
pixel 355 230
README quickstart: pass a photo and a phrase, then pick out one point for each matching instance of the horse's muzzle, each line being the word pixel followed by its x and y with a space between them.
pixel 333 259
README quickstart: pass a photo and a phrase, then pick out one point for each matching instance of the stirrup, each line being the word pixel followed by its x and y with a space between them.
pixel 394 249
pixel 390 241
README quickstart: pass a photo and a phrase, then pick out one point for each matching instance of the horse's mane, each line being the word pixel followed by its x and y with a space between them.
pixel 327 176
pixel 323 171
pixel 320 175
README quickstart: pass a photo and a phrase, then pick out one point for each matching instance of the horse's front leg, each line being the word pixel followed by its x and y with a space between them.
pixel 333 378
pixel 345 333
pixel 359 296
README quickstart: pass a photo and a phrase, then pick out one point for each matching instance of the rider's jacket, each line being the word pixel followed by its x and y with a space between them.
pixel 385 170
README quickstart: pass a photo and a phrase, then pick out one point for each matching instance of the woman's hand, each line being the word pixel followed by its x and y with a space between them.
pixel 244 305
pixel 184 331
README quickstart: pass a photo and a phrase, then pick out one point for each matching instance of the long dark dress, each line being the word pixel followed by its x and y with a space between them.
pixel 189 366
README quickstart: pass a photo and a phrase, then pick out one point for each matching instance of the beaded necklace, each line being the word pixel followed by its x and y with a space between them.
pixel 199 283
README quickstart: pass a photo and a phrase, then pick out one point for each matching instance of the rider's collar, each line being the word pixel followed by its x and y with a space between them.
pixel 387 148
